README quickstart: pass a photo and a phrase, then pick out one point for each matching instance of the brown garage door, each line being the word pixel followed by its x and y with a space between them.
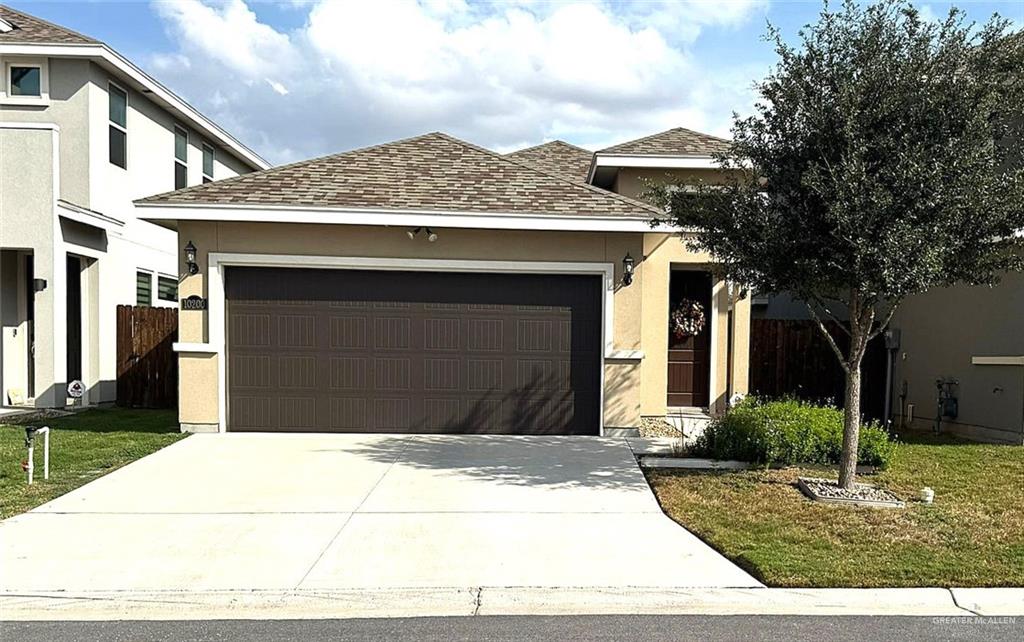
pixel 423 352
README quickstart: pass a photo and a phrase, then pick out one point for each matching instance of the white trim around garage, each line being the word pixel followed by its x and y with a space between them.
pixel 216 313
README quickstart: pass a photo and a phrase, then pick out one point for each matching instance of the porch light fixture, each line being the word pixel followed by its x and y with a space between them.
pixel 412 233
pixel 190 258
pixel 628 265
pixel 431 236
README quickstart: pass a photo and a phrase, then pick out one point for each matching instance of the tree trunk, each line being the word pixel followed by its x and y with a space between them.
pixel 851 427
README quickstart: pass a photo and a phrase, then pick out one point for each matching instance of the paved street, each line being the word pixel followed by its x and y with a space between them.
pixel 570 628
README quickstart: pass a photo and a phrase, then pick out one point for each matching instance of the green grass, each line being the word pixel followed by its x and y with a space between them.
pixel 83 447
pixel 973 535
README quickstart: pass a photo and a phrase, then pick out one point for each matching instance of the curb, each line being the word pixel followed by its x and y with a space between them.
pixel 472 601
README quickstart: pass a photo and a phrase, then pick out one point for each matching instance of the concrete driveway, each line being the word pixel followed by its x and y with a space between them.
pixel 286 512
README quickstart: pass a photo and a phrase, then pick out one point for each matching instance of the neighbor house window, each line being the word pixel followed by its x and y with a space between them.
pixel 180 158
pixel 118 126
pixel 167 288
pixel 143 288
pixel 25 80
pixel 207 163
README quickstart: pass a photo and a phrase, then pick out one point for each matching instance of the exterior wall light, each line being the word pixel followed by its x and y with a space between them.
pixel 190 258
pixel 628 265
pixel 431 235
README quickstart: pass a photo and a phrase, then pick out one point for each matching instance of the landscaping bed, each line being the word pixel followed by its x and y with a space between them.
pixel 973 534
pixel 83 446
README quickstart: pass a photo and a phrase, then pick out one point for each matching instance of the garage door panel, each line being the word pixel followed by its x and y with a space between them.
pixel 363 351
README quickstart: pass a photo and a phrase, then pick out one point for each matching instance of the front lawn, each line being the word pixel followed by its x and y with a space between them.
pixel 973 535
pixel 83 447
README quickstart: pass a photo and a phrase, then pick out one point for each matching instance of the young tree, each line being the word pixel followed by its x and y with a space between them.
pixel 877 164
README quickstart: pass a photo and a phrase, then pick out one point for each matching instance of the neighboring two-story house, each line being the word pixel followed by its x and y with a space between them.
pixel 83 132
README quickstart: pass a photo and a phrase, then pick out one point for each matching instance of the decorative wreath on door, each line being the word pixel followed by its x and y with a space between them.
pixel 687 319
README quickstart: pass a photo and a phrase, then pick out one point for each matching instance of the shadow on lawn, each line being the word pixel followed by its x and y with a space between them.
pixel 101 420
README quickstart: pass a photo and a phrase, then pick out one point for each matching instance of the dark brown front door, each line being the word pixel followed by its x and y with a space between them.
pixel 689 361
pixel 421 352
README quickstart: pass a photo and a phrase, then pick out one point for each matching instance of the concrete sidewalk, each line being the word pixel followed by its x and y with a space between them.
pixel 470 601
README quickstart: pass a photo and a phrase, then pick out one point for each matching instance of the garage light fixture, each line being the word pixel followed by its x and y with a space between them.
pixel 628 265
pixel 431 235
pixel 190 258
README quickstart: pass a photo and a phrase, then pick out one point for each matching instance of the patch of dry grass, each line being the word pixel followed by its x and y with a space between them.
pixel 973 535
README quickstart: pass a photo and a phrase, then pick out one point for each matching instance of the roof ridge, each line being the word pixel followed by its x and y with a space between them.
pixel 276 168
pixel 557 141
pixel 533 168
pixel 48 23
pixel 662 133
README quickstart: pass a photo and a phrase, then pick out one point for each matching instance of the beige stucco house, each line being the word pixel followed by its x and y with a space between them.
pixel 430 285
pixel 83 132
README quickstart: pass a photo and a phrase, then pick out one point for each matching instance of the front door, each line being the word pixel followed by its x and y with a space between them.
pixel 689 354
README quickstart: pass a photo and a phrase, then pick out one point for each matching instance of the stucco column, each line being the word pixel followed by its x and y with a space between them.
pixel 741 345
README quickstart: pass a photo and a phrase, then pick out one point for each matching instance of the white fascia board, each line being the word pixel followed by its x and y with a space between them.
pixel 126 68
pixel 87 216
pixel 162 213
pixel 657 162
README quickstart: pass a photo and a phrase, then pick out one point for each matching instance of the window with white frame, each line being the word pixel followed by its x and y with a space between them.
pixel 166 288
pixel 143 288
pixel 118 114
pixel 25 81
pixel 180 157
pixel 208 158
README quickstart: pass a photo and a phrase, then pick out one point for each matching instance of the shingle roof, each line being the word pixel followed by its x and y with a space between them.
pixel 557 157
pixel 29 29
pixel 432 172
pixel 673 142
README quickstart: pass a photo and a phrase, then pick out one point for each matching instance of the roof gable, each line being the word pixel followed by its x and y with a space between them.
pixel 557 157
pixel 433 172
pixel 673 142
pixel 29 29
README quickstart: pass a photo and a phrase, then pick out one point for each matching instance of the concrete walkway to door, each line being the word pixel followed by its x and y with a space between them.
pixel 287 512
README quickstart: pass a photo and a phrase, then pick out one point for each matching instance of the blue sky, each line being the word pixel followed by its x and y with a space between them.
pixel 300 78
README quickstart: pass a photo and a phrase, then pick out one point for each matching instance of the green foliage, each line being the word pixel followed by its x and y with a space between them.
pixel 882 159
pixel 789 432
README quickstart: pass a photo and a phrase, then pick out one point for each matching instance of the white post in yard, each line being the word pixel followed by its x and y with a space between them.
pixel 46 451
pixel 30 434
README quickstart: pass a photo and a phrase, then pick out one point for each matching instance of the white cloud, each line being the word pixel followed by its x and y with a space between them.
pixel 497 74
pixel 278 88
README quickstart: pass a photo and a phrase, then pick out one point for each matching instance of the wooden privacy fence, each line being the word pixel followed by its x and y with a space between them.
pixel 147 370
pixel 792 358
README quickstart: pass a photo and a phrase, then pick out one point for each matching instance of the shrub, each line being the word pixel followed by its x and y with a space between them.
pixel 789 432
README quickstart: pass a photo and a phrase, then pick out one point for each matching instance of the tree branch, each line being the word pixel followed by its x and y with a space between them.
pixel 831 339
pixel 837 320
pixel 883 324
